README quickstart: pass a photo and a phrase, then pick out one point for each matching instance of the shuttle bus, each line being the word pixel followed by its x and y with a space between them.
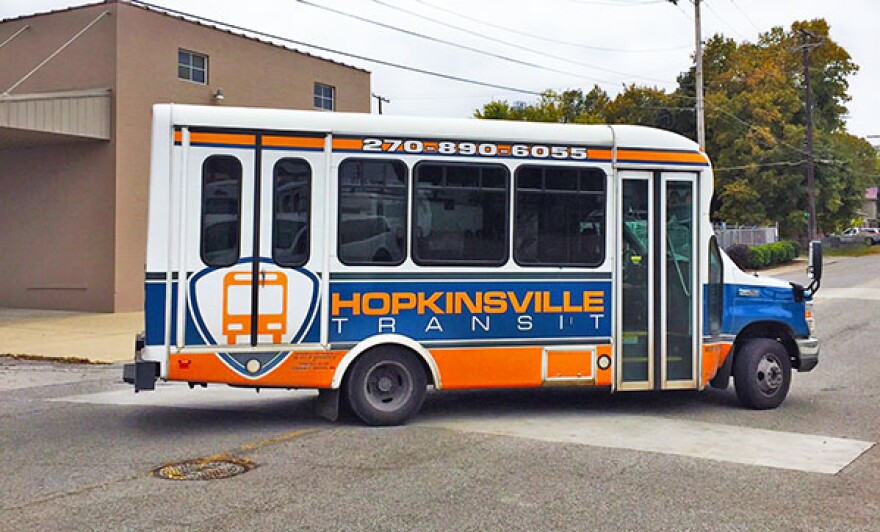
pixel 370 257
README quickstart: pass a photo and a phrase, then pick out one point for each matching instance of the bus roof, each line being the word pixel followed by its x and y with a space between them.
pixel 421 127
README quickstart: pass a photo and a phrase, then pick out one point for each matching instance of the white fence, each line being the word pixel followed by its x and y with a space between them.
pixel 750 236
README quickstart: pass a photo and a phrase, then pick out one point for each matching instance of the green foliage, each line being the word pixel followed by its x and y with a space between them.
pixel 755 126
pixel 772 254
pixel 740 255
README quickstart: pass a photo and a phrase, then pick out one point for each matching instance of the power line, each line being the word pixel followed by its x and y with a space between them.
pixel 746 16
pixel 453 44
pixel 632 3
pixel 757 165
pixel 338 52
pixel 513 45
pixel 729 25
pixel 545 38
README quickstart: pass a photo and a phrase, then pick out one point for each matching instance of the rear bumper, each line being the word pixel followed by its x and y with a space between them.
pixel 141 373
pixel 808 353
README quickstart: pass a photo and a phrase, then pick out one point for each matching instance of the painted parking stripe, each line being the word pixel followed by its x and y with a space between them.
pixel 726 443
pixel 863 293
pixel 178 395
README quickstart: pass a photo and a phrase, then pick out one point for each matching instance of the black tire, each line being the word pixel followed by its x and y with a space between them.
pixel 386 386
pixel 869 242
pixel 762 374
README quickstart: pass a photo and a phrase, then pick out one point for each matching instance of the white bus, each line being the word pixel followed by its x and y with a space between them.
pixel 370 257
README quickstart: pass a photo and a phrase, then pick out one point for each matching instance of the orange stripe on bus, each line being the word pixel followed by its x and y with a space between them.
pixel 651 156
pixel 459 368
pixel 348 144
pixel 223 138
pixel 298 370
pixel 603 376
pixel 217 138
pixel 294 142
pixel 508 367
pixel 714 356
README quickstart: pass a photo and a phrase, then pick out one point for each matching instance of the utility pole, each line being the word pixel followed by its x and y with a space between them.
pixel 698 57
pixel 805 47
pixel 380 99
pixel 698 74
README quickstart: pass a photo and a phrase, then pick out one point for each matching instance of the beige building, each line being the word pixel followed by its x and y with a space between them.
pixel 75 133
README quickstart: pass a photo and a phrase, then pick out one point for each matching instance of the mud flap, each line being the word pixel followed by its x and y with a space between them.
pixel 327 405
pixel 722 378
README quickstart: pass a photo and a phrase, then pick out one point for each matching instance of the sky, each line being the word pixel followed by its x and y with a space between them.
pixel 530 46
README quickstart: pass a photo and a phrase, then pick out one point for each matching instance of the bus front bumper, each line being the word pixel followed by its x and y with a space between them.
pixel 808 353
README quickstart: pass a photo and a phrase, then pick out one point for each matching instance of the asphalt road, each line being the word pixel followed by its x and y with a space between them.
pixel 77 449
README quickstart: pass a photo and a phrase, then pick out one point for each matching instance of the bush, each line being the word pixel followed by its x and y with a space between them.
pixel 760 256
pixel 766 254
pixel 739 254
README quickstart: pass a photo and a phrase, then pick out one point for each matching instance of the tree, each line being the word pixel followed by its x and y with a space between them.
pixel 755 125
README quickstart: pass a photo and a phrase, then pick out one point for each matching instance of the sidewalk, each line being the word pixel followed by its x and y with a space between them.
pixel 97 337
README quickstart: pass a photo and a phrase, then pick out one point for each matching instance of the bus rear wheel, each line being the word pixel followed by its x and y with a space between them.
pixel 386 386
pixel 762 374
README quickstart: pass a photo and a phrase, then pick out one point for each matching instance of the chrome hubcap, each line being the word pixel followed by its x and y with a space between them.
pixel 769 375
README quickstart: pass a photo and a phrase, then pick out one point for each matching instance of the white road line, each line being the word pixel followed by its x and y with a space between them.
pixel 178 395
pixel 741 445
pixel 726 443
pixel 862 293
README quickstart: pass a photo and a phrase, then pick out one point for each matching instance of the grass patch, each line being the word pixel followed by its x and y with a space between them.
pixel 851 251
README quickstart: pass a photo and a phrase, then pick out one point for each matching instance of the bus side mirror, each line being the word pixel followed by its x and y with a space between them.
pixel 814 270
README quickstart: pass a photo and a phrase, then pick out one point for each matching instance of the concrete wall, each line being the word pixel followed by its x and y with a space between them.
pixel 251 74
pixel 57 196
pixel 73 214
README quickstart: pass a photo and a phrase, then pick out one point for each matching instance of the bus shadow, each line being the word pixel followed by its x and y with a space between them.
pixel 279 414
pixel 542 402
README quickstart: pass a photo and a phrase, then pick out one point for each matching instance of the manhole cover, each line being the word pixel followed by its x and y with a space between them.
pixel 204 469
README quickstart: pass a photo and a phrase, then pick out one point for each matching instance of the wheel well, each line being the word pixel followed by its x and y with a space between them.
pixel 429 376
pixel 773 330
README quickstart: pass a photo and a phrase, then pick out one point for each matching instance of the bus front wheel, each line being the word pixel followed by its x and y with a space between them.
pixel 386 386
pixel 762 374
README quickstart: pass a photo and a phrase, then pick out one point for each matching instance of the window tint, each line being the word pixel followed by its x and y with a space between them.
pixel 221 210
pixel 460 214
pixel 192 66
pixel 290 212
pixel 560 216
pixel 372 212
pixel 325 97
pixel 715 306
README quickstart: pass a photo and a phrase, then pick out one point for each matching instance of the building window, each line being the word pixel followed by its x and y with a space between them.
pixel 192 66
pixel 325 97
pixel 560 216
pixel 460 214
pixel 372 212
pixel 221 210
pixel 290 226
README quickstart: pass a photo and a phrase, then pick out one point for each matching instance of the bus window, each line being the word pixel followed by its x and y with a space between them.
pixel 716 288
pixel 461 214
pixel 560 216
pixel 290 212
pixel 372 212
pixel 221 210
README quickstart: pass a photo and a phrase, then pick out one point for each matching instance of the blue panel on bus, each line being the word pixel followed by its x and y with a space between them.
pixel 471 310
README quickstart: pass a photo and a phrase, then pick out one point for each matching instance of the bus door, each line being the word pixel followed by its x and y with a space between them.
pixel 658 289
pixel 241 292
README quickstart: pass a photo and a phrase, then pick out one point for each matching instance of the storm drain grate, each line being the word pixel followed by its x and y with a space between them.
pixel 211 468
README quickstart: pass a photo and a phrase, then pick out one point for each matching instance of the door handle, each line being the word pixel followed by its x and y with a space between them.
pixel 262 278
